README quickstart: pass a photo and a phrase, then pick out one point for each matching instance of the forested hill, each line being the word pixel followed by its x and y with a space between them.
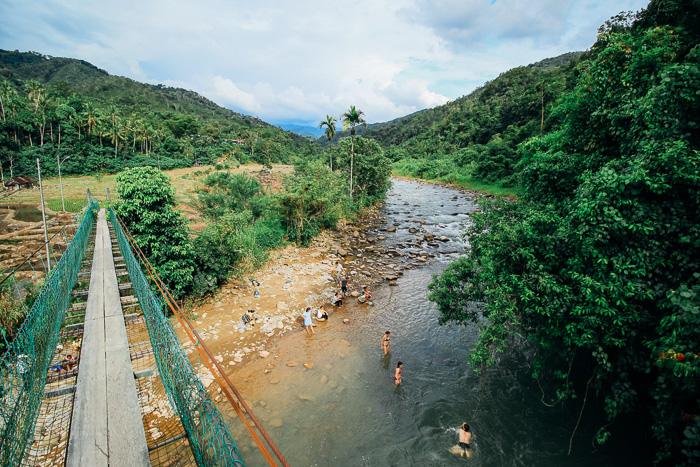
pixel 474 138
pixel 69 75
pixel 63 106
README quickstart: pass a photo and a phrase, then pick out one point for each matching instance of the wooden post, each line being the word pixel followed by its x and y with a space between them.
pixel 43 216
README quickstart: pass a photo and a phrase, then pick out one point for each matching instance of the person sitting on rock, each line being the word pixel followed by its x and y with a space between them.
pixel 366 295
pixel 321 315
pixel 337 300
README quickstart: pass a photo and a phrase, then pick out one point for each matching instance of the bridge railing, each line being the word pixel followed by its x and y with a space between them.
pixel 207 432
pixel 23 366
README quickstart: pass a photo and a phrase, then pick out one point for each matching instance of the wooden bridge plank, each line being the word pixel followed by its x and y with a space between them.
pixel 107 428
pixel 88 442
pixel 127 439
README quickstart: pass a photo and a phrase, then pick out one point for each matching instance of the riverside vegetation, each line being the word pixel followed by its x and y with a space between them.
pixel 596 266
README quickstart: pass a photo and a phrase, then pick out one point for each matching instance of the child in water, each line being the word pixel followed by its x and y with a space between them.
pixel 397 375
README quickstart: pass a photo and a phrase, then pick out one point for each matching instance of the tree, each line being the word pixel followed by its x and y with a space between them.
pixel 5 92
pixel 351 119
pixel 147 207
pixel 597 266
pixel 329 123
pixel 372 169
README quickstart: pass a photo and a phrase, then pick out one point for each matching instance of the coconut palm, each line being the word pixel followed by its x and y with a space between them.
pixel 329 123
pixel 351 119
pixel 5 93
pixel 35 91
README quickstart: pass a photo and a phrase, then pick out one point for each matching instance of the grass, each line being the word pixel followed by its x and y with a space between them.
pixel 72 204
pixel 464 182
pixel 75 188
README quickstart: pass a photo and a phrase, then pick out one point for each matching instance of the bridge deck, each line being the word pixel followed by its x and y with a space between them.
pixel 107 428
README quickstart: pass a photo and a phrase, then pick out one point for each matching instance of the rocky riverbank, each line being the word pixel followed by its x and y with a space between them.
pixel 295 278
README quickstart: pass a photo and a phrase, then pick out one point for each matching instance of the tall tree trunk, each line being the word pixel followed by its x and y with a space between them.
pixel 51 130
pixel 3 112
pixel 59 136
pixel 542 121
pixel 352 159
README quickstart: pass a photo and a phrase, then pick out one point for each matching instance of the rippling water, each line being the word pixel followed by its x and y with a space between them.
pixel 346 410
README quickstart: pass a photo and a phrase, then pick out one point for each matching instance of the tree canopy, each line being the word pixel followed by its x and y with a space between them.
pixel 598 265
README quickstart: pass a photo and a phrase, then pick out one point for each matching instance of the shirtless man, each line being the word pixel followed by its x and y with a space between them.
pixel 385 343
pixel 465 438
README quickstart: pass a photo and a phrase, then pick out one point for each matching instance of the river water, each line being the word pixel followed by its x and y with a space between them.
pixel 346 411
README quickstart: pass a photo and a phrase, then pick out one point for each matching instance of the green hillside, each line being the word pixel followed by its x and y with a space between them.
pixel 474 138
pixel 96 114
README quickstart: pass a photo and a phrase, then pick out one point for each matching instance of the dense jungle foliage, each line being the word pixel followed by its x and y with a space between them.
pixel 598 265
pixel 60 108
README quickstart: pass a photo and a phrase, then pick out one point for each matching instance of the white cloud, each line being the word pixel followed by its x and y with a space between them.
pixel 227 93
pixel 283 60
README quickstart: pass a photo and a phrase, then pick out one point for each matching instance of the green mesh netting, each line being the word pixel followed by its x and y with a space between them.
pixel 209 435
pixel 24 365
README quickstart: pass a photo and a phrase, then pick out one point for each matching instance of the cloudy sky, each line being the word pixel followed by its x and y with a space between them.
pixel 296 61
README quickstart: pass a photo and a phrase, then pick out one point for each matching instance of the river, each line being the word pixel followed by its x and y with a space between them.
pixel 346 411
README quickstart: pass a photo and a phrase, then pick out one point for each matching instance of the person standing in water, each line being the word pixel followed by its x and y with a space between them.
pixel 344 286
pixel 307 321
pixel 465 438
pixel 385 344
pixel 397 374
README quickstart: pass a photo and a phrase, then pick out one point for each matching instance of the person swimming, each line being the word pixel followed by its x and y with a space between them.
pixel 465 438
pixel 385 344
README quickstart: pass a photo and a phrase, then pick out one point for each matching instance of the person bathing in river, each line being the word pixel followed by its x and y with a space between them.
pixel 397 374
pixel 385 344
pixel 321 315
pixel 465 438
pixel 307 321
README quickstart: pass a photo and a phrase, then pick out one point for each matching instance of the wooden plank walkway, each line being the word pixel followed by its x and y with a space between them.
pixel 106 427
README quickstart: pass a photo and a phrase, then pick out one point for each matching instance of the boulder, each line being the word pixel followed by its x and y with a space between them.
pixel 391 229
pixel 264 354
pixel 342 252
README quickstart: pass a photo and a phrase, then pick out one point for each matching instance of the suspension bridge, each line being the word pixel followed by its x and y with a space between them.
pixel 96 374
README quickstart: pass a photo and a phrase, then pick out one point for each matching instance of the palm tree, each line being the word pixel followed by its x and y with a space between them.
pixel 114 133
pixel 351 119
pixel 35 91
pixel 5 93
pixel 329 123
pixel 90 117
